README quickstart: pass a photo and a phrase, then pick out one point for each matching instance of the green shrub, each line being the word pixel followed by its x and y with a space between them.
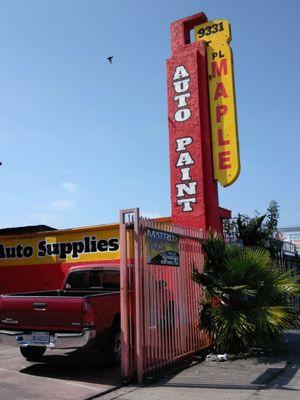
pixel 245 302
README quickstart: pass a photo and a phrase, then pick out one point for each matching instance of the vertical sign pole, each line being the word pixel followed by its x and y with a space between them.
pixel 194 191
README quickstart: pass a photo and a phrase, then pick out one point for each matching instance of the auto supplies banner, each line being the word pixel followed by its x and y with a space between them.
pixel 74 245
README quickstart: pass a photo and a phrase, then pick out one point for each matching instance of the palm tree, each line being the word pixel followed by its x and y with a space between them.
pixel 245 302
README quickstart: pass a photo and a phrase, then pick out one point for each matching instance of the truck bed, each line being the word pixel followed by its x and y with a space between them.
pixel 59 293
pixel 57 310
pixel 84 312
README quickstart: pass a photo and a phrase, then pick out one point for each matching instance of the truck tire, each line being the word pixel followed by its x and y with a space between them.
pixel 114 347
pixel 33 353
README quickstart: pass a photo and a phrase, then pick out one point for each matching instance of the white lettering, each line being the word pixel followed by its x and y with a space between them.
pixel 186 204
pixel 182 115
pixel 182 99
pixel 183 188
pixel 182 143
pixel 184 159
pixel 180 72
pixel 181 86
pixel 185 174
pixel 181 83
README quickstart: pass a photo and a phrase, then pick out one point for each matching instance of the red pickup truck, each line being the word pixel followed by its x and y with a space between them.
pixel 84 313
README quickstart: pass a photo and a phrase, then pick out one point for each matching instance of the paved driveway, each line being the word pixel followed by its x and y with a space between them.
pixel 62 375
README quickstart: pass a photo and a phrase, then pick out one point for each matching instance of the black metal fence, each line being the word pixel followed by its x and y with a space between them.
pixel 287 258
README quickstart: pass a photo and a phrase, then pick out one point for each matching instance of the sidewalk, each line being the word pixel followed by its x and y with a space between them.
pixel 264 378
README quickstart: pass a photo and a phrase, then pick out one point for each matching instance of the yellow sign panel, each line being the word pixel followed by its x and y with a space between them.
pixel 217 30
pixel 222 100
pixel 70 246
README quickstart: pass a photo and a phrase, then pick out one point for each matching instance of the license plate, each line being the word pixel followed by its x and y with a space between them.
pixel 40 337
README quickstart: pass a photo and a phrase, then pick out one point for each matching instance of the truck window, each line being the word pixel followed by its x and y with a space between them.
pixel 96 279
pixel 78 280
pixel 111 280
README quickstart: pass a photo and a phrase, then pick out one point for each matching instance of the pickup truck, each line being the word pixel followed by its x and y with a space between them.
pixel 84 313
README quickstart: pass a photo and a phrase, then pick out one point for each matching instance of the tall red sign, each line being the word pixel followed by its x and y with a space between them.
pixel 194 191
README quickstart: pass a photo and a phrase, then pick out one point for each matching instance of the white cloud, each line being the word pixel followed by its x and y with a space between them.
pixel 62 204
pixel 69 186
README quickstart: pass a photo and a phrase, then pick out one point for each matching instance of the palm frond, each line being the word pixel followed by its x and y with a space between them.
pixel 286 283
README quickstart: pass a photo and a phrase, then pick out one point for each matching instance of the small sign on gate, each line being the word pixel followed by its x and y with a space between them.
pixel 162 247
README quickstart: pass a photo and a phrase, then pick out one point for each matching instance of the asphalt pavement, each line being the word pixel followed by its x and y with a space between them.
pixel 267 377
pixel 61 375
pixel 75 375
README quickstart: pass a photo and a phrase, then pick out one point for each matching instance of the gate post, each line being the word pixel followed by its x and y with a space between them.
pixel 128 315
pixel 139 331
pixel 124 300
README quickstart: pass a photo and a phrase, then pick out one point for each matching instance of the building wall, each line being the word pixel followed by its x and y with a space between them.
pixel 290 234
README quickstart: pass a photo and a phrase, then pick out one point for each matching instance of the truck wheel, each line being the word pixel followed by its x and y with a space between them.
pixel 32 353
pixel 114 347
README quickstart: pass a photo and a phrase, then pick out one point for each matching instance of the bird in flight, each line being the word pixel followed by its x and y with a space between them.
pixel 110 59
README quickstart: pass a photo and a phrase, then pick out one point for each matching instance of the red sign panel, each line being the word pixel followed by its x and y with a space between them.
pixel 193 190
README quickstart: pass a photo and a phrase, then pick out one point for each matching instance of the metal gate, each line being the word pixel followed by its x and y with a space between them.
pixel 159 303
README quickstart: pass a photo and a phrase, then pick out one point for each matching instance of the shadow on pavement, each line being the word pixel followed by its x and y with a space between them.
pixel 221 380
pixel 216 382
pixel 253 373
pixel 88 366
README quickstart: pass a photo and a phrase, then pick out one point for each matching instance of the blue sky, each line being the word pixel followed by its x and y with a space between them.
pixel 81 139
